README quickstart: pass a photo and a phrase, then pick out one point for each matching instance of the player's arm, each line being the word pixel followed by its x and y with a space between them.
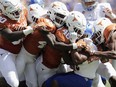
pixel 110 53
pixel 105 54
pixel 52 41
pixel 50 38
pixel 102 54
pixel 108 12
pixel 67 58
pixel 14 36
pixel 74 58
pixel 78 57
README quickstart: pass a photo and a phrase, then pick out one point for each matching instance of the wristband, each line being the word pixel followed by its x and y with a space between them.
pixel 74 46
pixel 28 30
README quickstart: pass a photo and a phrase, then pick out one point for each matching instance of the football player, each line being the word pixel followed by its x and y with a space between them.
pixel 31 44
pixel 25 62
pixel 13 27
pixel 103 38
pixel 76 31
pixel 50 59
pixel 94 10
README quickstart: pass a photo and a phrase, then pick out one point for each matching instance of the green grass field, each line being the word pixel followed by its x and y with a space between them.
pixel 107 84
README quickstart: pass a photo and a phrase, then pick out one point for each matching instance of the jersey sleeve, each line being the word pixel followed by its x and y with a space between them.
pixel 62 35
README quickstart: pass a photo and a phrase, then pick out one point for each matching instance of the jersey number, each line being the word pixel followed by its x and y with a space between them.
pixel 2 20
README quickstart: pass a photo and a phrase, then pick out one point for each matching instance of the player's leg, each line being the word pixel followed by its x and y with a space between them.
pixel 107 71
pixel 97 81
pixel 43 72
pixel 21 62
pixel 8 69
pixel 31 75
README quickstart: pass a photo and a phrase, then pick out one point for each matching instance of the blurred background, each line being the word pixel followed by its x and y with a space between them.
pixel 70 3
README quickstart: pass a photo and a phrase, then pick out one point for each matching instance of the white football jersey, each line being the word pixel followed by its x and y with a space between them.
pixel 95 14
pixel 88 69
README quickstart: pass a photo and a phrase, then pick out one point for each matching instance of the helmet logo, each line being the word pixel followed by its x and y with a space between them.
pixel 54 5
pixel 75 19
pixel 100 23
pixel 31 9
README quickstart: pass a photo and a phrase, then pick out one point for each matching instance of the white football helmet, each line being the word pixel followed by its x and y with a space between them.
pixel 58 13
pixel 76 23
pixel 11 8
pixel 99 27
pixel 35 11
pixel 89 5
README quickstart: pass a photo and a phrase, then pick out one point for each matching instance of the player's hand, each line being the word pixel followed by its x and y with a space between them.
pixel 81 44
pixel 107 11
pixel 91 57
pixel 37 26
pixel 41 27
